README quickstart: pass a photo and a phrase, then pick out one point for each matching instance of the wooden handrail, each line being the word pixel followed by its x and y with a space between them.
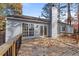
pixel 11 47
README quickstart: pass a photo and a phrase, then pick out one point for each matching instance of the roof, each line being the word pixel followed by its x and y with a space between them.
pixel 28 17
pixel 63 23
pixel 31 19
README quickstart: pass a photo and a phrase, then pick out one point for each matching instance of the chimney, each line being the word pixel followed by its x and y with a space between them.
pixel 54 22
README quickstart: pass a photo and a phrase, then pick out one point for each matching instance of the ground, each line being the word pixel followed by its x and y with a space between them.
pixel 64 46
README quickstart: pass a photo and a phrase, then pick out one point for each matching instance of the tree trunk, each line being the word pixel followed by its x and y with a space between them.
pixel 69 15
pixel 78 17
pixel 59 11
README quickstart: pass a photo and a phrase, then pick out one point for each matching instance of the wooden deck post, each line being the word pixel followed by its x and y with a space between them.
pixel 14 49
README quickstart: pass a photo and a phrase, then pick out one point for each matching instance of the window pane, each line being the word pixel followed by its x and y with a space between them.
pixel 25 29
pixel 63 28
pixel 31 29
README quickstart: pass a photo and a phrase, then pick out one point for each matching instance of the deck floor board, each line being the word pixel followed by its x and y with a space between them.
pixel 49 47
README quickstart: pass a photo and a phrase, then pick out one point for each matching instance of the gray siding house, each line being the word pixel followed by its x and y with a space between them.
pixel 33 27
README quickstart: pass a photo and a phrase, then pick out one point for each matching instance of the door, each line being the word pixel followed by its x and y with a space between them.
pixel 41 30
pixel 45 31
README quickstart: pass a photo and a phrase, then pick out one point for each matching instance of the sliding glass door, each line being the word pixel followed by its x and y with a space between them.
pixel 28 30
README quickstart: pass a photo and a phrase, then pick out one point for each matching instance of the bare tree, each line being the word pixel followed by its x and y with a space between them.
pixel 69 14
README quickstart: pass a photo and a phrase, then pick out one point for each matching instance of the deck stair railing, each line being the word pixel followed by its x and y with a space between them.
pixel 11 47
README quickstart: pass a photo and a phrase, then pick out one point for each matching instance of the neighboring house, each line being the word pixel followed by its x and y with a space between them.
pixel 65 28
pixel 32 27
pixel 75 26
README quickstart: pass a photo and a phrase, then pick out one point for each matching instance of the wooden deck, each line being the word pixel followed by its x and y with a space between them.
pixel 62 46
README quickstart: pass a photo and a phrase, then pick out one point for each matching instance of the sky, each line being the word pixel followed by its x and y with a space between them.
pixel 32 9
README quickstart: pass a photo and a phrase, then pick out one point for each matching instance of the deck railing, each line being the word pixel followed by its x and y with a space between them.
pixel 11 47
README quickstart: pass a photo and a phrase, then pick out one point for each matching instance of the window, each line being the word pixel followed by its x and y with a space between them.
pixel 63 28
pixel 45 30
pixel 31 29
pixel 36 26
pixel 28 29
pixel 25 29
pixel 41 30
